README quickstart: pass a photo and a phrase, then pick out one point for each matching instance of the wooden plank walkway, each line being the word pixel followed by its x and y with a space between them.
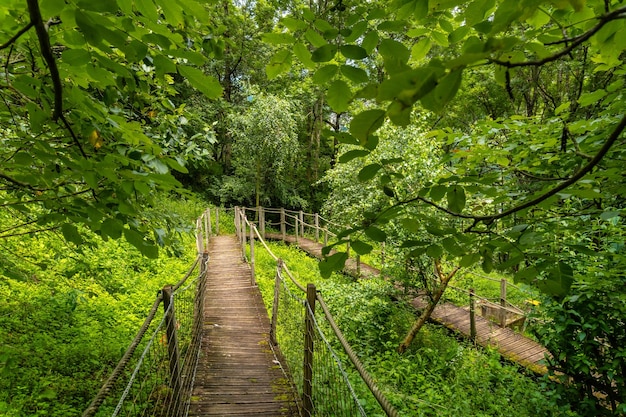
pixel 238 374
pixel 511 345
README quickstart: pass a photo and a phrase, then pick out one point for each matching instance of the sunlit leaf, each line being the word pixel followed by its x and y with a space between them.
pixel 339 96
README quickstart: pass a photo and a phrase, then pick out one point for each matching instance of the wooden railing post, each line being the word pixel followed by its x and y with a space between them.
pixel 382 255
pixel 262 222
pixel 503 302
pixel 358 265
pixel 296 228
pixel 472 313
pixel 279 268
pixel 301 223
pixel 283 226
pixel 237 221
pixel 325 237
pixel 243 234
pixel 172 346
pixel 317 227
pixel 208 222
pixel 307 383
pixel 217 220
pixel 253 277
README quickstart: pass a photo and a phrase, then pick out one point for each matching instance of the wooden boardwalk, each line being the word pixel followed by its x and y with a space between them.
pixel 511 345
pixel 238 374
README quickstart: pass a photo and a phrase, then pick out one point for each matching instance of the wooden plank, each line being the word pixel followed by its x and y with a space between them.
pixel 238 374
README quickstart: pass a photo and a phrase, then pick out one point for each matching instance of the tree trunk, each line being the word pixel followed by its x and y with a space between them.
pixel 444 280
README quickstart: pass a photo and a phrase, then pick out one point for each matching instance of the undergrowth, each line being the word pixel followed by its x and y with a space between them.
pixel 439 375
pixel 69 312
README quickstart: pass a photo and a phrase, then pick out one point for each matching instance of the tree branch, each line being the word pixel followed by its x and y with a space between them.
pixel 572 180
pixel 46 52
pixel 577 41
pixel 17 35
pixel 488 219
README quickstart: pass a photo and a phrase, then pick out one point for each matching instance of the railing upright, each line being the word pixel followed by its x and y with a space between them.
pixel 262 222
pixel 242 221
pixel 217 220
pixel 283 226
pixel 472 314
pixel 172 346
pixel 253 274
pixel 301 223
pixel 503 302
pixel 275 301
pixel 307 383
pixel 207 223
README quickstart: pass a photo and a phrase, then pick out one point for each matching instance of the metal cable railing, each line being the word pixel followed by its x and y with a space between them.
pixel 325 370
pixel 156 373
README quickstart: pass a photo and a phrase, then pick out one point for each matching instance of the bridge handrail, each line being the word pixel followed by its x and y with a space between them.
pixel 241 218
pixel 203 233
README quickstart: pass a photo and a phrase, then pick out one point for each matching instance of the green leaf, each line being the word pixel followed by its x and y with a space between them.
pixel 324 53
pixel 588 99
pixel 76 57
pixel 173 12
pixel 368 172
pixel 353 52
pixel 376 234
pixel 98 6
pixel 147 9
pixel 469 260
pixel 112 228
pixel 315 38
pixel 354 74
pixel 280 62
pixel 278 38
pixel 339 96
pixel 434 251
pixel 420 49
pixel 370 41
pixel 456 198
pixel 415 8
pixel 136 239
pixel 293 24
pixel 391 49
pixel 37 117
pixel 71 234
pixel 559 281
pixel 609 215
pixel 332 263
pixel 410 224
pixel 325 73
pixel 446 89
pixel 452 247
pixel 303 54
pixel 360 247
pixel 437 192
pixel 206 84
pixel 366 123
pixel 350 155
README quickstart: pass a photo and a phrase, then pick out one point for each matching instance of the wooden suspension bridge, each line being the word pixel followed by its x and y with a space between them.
pixel 238 369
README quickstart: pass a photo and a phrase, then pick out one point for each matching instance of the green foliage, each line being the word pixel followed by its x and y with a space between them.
pixel 265 149
pixel 585 333
pixel 438 376
pixel 69 313
pixel 90 131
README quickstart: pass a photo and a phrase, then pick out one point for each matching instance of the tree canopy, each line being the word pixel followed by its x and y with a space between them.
pixel 468 134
